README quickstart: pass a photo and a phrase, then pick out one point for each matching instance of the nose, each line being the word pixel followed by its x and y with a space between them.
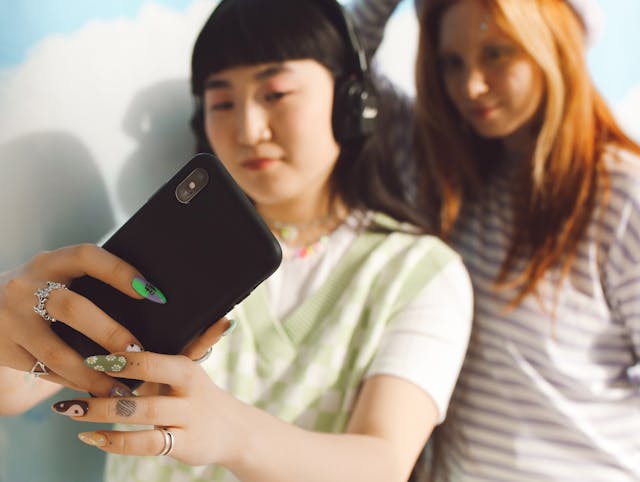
pixel 475 83
pixel 252 124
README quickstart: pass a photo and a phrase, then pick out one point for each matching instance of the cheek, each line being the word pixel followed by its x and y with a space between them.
pixel 308 126
pixel 525 86
pixel 216 132
pixel 453 89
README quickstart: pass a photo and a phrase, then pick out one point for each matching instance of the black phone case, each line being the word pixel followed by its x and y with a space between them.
pixel 205 256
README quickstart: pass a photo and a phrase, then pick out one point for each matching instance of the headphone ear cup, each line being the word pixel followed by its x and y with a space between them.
pixel 355 110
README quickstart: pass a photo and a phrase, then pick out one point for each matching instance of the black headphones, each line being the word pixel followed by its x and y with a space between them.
pixel 355 105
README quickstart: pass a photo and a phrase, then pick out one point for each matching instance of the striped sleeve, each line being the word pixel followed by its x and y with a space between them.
pixel 622 268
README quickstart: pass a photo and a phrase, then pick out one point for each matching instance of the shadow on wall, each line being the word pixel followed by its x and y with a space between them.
pixel 51 195
pixel 158 120
pixel 43 446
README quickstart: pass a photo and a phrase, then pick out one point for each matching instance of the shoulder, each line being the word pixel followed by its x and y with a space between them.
pixel 621 208
pixel 623 169
pixel 404 245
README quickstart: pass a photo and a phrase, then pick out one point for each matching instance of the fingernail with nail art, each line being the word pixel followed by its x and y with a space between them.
pixel 231 328
pixel 119 391
pixel 106 363
pixel 134 348
pixel 71 408
pixel 93 438
pixel 148 291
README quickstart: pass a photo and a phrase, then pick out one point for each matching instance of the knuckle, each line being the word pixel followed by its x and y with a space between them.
pixel 116 337
pixel 51 357
pixel 84 253
pixel 151 411
pixel 16 288
pixel 64 307
pixel 185 367
pixel 122 444
pixel 146 365
pixel 39 259
pixel 120 269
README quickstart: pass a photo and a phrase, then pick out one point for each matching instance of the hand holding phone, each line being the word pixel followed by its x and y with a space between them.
pixel 201 242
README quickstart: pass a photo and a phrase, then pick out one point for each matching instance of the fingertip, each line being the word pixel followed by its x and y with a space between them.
pixel 231 328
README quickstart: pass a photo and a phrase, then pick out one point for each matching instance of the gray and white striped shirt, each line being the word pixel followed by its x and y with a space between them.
pixel 542 397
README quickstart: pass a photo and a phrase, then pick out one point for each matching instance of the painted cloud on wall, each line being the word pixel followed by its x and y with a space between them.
pixel 84 82
pixel 628 112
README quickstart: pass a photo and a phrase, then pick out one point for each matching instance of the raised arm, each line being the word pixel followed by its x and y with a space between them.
pixel 370 18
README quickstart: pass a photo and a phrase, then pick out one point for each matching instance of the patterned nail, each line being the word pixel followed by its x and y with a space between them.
pixel 93 438
pixel 71 408
pixel 148 291
pixel 106 363
pixel 126 408
pixel 134 348
pixel 119 391
pixel 231 328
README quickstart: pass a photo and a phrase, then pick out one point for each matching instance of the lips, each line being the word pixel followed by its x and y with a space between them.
pixel 259 163
pixel 483 112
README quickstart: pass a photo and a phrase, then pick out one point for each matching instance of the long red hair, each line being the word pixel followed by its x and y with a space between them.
pixel 560 186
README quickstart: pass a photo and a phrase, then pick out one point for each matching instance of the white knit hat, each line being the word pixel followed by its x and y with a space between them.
pixel 589 12
pixel 592 18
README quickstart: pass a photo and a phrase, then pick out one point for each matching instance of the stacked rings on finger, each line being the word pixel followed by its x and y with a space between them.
pixel 168 441
pixel 43 296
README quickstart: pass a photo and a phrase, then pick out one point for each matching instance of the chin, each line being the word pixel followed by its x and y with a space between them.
pixel 491 131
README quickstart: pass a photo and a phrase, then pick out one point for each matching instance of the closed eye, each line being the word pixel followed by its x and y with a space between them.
pixel 275 96
pixel 494 53
pixel 451 63
pixel 221 106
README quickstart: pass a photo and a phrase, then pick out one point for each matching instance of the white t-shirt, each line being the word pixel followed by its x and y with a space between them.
pixel 427 354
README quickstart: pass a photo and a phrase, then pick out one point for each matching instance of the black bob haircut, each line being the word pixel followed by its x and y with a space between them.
pixel 247 32
pixel 250 32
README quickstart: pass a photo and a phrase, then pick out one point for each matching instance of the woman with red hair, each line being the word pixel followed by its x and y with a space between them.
pixel 526 173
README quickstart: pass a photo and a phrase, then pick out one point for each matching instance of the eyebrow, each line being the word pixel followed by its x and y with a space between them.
pixel 269 71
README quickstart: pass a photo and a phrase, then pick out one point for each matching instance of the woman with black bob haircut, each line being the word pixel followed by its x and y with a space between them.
pixel 327 375
pixel 287 30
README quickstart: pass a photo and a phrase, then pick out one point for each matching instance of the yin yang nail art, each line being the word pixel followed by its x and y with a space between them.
pixel 72 408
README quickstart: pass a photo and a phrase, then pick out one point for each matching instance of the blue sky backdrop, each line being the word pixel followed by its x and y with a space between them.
pixel 23 23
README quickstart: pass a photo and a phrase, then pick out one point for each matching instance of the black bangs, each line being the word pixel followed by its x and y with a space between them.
pixel 248 32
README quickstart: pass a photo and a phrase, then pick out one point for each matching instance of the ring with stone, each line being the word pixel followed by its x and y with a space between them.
pixel 43 296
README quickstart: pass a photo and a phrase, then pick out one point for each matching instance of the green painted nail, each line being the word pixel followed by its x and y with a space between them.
pixel 148 291
pixel 106 363
pixel 232 326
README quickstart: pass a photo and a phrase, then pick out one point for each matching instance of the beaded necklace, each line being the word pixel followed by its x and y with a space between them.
pixel 287 233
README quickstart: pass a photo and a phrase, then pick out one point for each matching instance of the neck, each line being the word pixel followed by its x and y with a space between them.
pixel 300 223
pixel 301 209
pixel 521 143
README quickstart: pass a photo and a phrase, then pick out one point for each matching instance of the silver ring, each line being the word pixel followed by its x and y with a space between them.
pixel 43 296
pixel 39 369
pixel 167 448
pixel 206 355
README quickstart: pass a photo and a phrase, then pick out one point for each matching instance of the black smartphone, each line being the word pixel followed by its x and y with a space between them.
pixel 201 242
